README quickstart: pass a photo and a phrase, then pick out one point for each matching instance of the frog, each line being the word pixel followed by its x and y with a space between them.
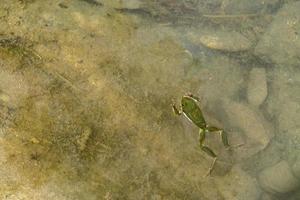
pixel 191 110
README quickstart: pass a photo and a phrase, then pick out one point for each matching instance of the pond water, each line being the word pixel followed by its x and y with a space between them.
pixel 87 88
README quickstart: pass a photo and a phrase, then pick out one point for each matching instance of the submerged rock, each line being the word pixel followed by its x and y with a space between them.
pixel 128 4
pixel 267 196
pixel 288 118
pixel 257 86
pixel 283 106
pixel 278 179
pixel 131 4
pixel 252 123
pixel 223 40
pixel 281 42
pixel 249 7
pixel 296 168
pixel 219 77
pixel 237 184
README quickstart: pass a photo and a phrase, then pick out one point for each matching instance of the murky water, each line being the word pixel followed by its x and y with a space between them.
pixel 87 87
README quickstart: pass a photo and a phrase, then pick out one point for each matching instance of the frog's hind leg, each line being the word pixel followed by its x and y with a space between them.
pixel 202 146
pixel 222 133
pixel 224 137
pixel 207 150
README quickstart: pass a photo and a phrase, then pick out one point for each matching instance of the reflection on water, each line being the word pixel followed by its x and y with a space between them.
pixel 86 89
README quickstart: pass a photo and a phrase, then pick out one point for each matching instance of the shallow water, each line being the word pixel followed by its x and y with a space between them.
pixel 87 87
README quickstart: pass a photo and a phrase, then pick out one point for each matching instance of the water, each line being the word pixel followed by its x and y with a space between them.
pixel 86 89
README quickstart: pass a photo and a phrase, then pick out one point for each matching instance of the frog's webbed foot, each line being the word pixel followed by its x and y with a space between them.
pixel 235 146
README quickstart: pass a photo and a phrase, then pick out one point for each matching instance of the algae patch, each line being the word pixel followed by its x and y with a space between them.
pixel 19 48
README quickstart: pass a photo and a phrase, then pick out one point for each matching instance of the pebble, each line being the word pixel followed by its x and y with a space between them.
pixel 257 86
pixel 223 40
pixel 278 179
pixel 34 140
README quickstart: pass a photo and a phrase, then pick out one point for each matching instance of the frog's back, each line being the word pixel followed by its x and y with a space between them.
pixel 192 111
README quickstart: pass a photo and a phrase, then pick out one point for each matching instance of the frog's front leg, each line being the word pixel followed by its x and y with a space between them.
pixel 176 110
pixel 206 150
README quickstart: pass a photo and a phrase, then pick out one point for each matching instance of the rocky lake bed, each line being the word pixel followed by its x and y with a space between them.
pixel 86 89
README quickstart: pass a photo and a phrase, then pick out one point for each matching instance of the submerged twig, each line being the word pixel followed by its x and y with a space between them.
pixel 232 16
pixel 93 2
pixel 65 80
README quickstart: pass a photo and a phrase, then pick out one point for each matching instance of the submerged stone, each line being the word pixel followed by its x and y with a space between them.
pixel 296 168
pixel 223 40
pixel 250 122
pixel 281 42
pixel 244 187
pixel 257 86
pixel 278 179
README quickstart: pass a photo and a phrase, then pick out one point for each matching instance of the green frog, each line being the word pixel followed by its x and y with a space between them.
pixel 192 111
